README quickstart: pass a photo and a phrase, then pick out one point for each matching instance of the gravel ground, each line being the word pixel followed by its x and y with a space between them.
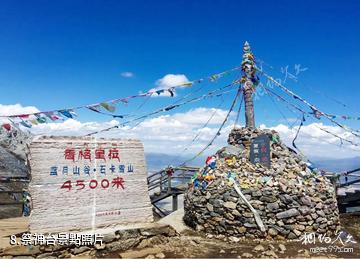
pixel 192 245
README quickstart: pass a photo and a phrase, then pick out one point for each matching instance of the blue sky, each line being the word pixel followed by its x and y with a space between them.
pixel 57 54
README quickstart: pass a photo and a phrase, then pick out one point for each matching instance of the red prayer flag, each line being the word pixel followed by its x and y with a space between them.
pixel 6 126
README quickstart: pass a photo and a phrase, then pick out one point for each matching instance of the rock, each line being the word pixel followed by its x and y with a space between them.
pixel 143 253
pixel 150 257
pixel 218 203
pixel 288 214
pixel 152 241
pixel 79 250
pixel 268 199
pixel 20 250
pixel 292 235
pixel 100 246
pixel 222 251
pixel 256 193
pixel 230 205
pixel 250 225
pixel 242 230
pixel 320 213
pixel 246 255
pixel 282 248
pixel 235 213
pixel 64 254
pixel 109 237
pixel 286 198
pixel 304 210
pixel 272 232
pixel 259 248
pixel 272 206
pixel 232 150
pixel 45 255
pixel 248 215
pixel 280 223
pixel 300 227
pixel 303 253
pixel 160 255
pixel 209 207
pixel 208 195
pixel 270 253
pixel 162 230
pixel 314 215
pixel 122 245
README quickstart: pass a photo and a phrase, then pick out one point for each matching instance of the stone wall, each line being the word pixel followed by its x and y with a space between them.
pixel 289 198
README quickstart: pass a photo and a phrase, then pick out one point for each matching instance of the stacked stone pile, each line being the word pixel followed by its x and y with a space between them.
pixel 289 198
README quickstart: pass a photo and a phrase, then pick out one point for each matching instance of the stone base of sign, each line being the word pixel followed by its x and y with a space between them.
pixel 175 220
pixel 288 197
pixel 115 239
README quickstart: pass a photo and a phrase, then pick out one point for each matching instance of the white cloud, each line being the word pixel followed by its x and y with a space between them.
pixel 127 74
pixel 314 142
pixel 172 133
pixel 71 127
pixel 168 81
pixel 14 109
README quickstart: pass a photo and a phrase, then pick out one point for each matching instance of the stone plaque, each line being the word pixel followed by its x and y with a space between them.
pixel 80 183
pixel 260 150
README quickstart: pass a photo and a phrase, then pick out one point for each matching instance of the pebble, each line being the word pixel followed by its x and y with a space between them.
pixel 270 253
pixel 259 248
pixel 234 239
pixel 230 205
pixel 282 248
pixel 160 255
pixel 246 255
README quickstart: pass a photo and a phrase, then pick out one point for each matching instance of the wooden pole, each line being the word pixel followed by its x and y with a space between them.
pixel 249 71
pixel 249 105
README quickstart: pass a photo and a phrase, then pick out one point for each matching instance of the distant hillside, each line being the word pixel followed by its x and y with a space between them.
pixel 158 161
pixel 338 165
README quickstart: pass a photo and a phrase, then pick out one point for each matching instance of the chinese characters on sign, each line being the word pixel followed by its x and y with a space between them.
pixel 85 155
pixel 260 151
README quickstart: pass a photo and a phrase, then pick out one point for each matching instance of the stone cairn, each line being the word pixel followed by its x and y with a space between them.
pixel 290 199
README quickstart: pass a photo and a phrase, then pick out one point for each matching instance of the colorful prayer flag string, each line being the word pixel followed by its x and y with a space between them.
pixel 218 133
pixel 215 93
pixel 110 106
pixel 279 98
pixel 316 112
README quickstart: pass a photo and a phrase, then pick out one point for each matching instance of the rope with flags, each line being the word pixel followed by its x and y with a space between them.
pixel 280 98
pixel 214 93
pixel 218 133
pixel 315 111
pixel 29 119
